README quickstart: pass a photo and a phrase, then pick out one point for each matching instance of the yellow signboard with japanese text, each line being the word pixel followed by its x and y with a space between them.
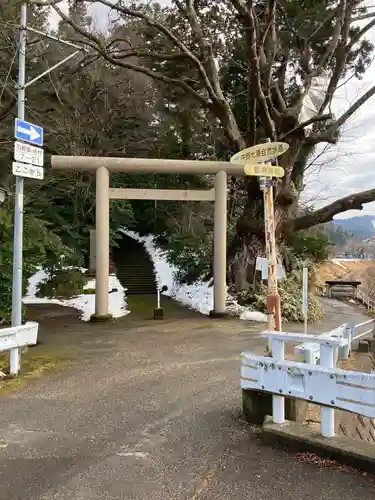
pixel 260 153
pixel 260 170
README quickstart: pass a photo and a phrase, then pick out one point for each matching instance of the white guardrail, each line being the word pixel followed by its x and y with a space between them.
pixel 325 384
pixel 14 337
pixel 366 301
pixel 311 350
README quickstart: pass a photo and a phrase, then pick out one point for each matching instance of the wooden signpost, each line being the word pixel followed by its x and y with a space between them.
pixel 254 159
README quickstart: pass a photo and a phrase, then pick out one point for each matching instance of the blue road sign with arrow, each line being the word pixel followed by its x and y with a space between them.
pixel 28 132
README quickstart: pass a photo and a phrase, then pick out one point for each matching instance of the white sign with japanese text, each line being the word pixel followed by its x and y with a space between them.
pixel 25 153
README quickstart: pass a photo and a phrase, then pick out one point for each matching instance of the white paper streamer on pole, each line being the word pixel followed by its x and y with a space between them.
pixel 314 98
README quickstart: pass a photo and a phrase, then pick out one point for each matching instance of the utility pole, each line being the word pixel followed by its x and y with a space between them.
pixel 18 199
pixel 19 189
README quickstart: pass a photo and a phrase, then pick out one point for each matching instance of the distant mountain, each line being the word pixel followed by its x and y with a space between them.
pixel 362 227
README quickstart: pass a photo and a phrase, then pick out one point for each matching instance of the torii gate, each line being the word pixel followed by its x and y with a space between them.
pixel 104 166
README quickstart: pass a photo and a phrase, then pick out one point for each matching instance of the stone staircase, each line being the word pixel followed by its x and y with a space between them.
pixel 134 267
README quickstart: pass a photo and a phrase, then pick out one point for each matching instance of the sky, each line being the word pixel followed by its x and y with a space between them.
pixel 338 170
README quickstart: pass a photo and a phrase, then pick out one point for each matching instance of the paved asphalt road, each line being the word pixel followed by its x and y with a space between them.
pixel 153 412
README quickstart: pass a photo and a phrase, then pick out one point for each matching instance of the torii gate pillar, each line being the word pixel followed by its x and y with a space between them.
pixel 220 246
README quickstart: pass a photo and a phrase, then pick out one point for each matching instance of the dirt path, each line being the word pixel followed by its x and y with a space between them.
pixel 151 410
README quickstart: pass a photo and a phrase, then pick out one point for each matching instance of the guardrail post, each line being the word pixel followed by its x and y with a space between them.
pixel 309 357
pixel 327 415
pixel 348 334
pixel 14 361
pixel 278 402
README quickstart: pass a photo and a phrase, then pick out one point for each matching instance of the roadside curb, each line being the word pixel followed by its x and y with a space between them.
pixel 299 437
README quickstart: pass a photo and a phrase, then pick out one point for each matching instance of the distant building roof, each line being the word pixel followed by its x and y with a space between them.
pixel 343 283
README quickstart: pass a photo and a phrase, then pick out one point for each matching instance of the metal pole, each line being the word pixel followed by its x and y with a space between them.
pixel 348 334
pixel 220 245
pixel 309 357
pixel 305 295
pixel 278 402
pixel 49 70
pixel 327 414
pixel 18 199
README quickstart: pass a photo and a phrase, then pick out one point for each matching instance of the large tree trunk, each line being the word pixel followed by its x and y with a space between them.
pixel 243 260
pixel 249 240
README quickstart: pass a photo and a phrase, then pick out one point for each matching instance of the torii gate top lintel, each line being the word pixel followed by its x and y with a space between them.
pixel 145 165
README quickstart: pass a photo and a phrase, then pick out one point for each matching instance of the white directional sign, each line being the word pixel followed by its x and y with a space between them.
pixel 30 171
pixel 25 153
pixel 28 132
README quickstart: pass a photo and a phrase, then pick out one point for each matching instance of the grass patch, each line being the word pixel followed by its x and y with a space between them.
pixel 144 305
pixel 36 362
pixel 62 283
pixel 290 291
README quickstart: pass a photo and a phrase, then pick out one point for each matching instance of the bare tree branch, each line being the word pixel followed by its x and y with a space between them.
pixel 340 17
pixel 43 3
pixel 362 18
pixel 247 14
pixel 4 111
pixel 168 33
pixel 301 126
pixel 95 43
pixel 327 213
pixel 213 100
pixel 361 34
pixel 341 55
pixel 331 14
pixel 7 108
pixel 269 45
pixel 204 46
pixel 329 134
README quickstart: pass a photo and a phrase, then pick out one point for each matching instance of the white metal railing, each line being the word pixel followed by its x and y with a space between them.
pixel 14 337
pixel 311 350
pixel 369 323
pixel 325 385
pixel 365 299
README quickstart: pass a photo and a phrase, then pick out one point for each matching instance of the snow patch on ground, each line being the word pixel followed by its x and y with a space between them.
pixel 254 316
pixel 338 263
pixel 344 259
pixel 84 303
pixel 198 295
